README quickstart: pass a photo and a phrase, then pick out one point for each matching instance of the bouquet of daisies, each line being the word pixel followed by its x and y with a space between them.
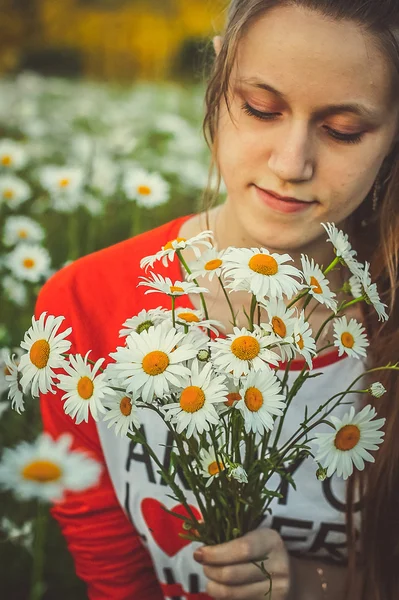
pixel 224 398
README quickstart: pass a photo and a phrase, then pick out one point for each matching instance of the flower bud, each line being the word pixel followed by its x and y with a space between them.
pixel 203 355
pixel 377 389
pixel 321 474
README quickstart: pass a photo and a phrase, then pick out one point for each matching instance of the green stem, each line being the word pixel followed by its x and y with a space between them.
pixel 295 300
pixel 73 236
pixel 188 270
pixel 332 266
pixel 173 311
pixel 136 220
pixel 37 585
pixel 228 302
pixel 254 303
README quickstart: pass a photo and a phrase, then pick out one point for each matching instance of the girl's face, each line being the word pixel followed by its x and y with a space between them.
pixel 311 117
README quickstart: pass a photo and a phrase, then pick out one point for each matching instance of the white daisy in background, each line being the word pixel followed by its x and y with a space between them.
pixel 4 357
pixel 22 229
pixel 208 265
pixel 263 274
pixel 85 388
pixel 355 287
pixel 44 352
pixel 241 352
pixel 261 401
pixel 14 290
pixel 187 317
pixel 14 191
pixel 22 536
pixel 143 321
pixel 340 241
pixel 349 443
pixel 168 251
pixel 377 390
pixel 350 338
pixel 147 189
pixel 13 155
pixel 195 410
pixel 47 468
pixel 104 175
pixel 211 467
pixel 13 380
pixel 28 262
pixel 122 413
pixel 281 325
pixel 164 285
pixel 150 362
pixel 319 285
pixel 94 206
pixel 64 185
pixel 369 290
pixel 304 342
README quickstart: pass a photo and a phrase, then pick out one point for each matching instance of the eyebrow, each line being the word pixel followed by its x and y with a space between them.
pixel 353 107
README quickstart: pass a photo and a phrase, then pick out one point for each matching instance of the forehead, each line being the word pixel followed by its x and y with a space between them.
pixel 314 60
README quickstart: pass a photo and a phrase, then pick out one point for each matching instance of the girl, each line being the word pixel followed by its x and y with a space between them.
pixel 302 119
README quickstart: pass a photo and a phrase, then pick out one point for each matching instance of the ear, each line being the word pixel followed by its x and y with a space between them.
pixel 217 44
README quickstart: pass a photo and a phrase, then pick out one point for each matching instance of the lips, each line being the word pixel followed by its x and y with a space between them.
pixel 285 198
pixel 282 204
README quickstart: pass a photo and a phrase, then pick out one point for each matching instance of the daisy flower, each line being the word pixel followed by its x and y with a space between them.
pixel 44 350
pixel 238 473
pixel 150 362
pixel 61 180
pixel 241 352
pixel 261 401
pixel 22 536
pixel 342 246
pixel 147 189
pixel 304 342
pixel 281 325
pixel 369 290
pixel 355 286
pixel 195 410
pixel 165 285
pixel 209 265
pixel 4 357
pixel 13 379
pixel 319 286
pixel 377 390
pixel 261 273
pixel 187 317
pixel 168 251
pixel 14 191
pixel 47 468
pixel 122 413
pixel 28 262
pixel 15 290
pixel 17 229
pixel 350 338
pixel 13 155
pixel 85 388
pixel 143 321
pixel 211 468
pixel 350 441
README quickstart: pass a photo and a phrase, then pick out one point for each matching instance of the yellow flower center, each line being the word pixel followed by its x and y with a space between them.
pixel 154 363
pixel 175 289
pixel 253 399
pixel 300 343
pixel 85 387
pixel 279 327
pixel 169 245
pixel 125 406
pixel 144 190
pixel 192 399
pixel 40 353
pixel 263 264
pixel 315 285
pixel 188 317
pixel 22 233
pixel 347 437
pixel 347 339
pixel 245 347
pixel 231 398
pixel 215 468
pixel 28 263
pixel 8 194
pixel 42 471
pixel 64 182
pixel 6 160
pixel 211 265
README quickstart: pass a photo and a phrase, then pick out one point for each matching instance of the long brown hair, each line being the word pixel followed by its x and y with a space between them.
pixel 375 234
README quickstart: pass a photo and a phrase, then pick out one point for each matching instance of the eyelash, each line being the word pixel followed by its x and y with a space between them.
pixel 353 138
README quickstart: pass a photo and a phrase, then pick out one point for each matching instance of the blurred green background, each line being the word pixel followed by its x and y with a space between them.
pixel 95 90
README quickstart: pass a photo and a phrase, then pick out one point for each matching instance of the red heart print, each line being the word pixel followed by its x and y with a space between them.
pixel 164 527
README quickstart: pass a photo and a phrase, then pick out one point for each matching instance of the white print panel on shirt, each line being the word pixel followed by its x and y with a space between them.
pixel 310 519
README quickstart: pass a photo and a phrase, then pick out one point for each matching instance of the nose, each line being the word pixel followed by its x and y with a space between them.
pixel 291 158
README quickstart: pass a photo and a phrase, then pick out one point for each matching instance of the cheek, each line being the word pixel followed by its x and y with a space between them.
pixel 238 149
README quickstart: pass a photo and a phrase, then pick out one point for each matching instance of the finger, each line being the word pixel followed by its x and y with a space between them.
pixel 234 574
pixel 254 545
pixel 254 591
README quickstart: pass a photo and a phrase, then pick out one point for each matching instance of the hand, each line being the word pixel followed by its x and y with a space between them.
pixel 230 571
